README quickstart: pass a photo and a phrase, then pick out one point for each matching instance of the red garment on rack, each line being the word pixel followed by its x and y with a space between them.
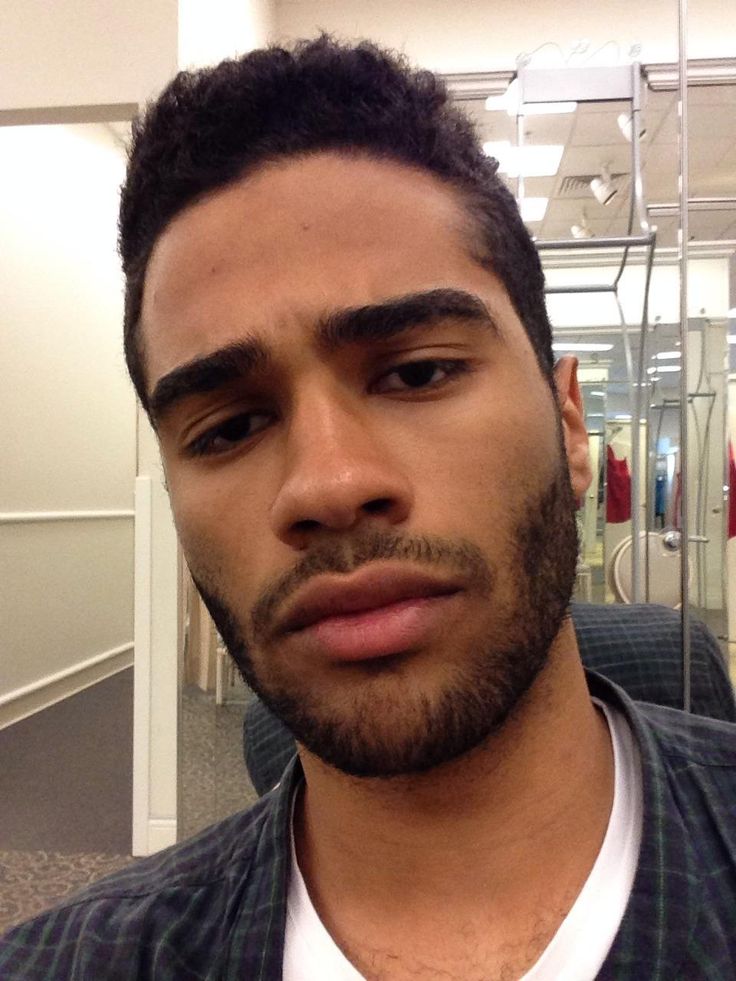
pixel 618 489
pixel 731 492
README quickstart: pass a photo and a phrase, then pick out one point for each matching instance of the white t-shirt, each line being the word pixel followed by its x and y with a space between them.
pixel 580 945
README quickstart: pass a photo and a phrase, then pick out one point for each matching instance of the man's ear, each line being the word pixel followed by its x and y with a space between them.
pixel 572 414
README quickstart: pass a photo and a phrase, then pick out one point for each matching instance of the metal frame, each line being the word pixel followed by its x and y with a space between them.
pixel 661 77
pixel 595 84
pixel 682 80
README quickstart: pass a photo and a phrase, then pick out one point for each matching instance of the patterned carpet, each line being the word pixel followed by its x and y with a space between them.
pixel 30 882
pixel 214 779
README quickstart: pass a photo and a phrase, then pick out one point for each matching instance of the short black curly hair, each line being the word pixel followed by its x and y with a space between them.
pixel 208 128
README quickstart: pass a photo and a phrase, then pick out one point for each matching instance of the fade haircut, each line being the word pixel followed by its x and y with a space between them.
pixel 211 127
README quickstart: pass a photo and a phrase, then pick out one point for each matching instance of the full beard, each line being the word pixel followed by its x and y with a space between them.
pixel 388 724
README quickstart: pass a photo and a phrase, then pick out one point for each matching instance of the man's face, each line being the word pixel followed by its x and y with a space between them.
pixel 406 456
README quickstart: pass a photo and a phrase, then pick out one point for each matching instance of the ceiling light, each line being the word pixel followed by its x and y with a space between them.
pixel 598 395
pixel 602 187
pixel 530 160
pixel 533 209
pixel 586 346
pixel 663 367
pixel 732 338
pixel 623 416
pixel 546 108
pixel 667 355
pixel 732 312
pixel 509 102
pixel 595 415
pixel 624 121
pixel 582 229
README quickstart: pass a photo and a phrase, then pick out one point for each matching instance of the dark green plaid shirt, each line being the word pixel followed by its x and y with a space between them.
pixel 214 907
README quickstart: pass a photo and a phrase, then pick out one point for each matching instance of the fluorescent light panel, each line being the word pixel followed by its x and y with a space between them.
pixel 531 160
pixel 585 346
pixel 667 356
pixel 534 209
pixel 509 103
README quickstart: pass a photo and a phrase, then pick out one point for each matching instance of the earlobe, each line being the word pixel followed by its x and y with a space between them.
pixel 572 415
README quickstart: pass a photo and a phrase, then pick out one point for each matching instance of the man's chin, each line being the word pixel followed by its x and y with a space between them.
pixel 388 731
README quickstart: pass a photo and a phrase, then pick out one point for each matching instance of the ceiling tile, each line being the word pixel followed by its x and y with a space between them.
pixel 707 96
pixel 595 129
pixel 592 138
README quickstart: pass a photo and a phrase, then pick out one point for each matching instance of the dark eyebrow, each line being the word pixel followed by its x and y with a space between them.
pixel 207 374
pixel 355 325
pixel 383 321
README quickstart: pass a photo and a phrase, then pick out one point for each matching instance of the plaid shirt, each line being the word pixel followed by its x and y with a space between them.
pixel 214 907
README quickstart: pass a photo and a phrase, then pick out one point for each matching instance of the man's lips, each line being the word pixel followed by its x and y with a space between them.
pixel 398 628
pixel 370 589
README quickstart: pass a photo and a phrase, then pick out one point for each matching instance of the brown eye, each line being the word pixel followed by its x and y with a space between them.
pixel 418 375
pixel 228 434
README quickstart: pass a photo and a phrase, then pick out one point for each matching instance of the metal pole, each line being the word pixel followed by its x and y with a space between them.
pixel 683 256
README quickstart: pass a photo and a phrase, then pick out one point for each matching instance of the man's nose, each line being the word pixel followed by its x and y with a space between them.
pixel 340 472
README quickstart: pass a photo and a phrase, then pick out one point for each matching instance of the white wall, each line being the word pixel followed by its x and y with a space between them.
pixel 707 294
pixel 222 29
pixel 85 52
pixel 68 417
pixel 483 35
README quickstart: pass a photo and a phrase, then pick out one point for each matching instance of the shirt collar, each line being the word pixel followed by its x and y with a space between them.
pixel 663 907
pixel 666 895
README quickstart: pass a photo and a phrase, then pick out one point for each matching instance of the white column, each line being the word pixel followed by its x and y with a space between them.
pixel 208 30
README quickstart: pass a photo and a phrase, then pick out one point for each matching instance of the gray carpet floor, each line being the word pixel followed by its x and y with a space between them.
pixel 66 789
pixel 66 774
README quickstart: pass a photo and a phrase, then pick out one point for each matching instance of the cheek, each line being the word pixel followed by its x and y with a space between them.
pixel 485 461
pixel 221 526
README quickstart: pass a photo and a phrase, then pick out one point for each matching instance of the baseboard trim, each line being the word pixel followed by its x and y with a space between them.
pixel 161 834
pixel 24 702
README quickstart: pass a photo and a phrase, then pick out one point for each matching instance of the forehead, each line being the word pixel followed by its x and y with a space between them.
pixel 297 240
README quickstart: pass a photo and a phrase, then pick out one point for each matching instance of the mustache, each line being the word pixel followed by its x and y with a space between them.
pixel 341 557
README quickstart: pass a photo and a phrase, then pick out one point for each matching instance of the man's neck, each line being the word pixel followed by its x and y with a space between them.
pixel 510 829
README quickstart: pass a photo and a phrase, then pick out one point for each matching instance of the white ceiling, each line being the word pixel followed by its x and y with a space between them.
pixel 592 138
